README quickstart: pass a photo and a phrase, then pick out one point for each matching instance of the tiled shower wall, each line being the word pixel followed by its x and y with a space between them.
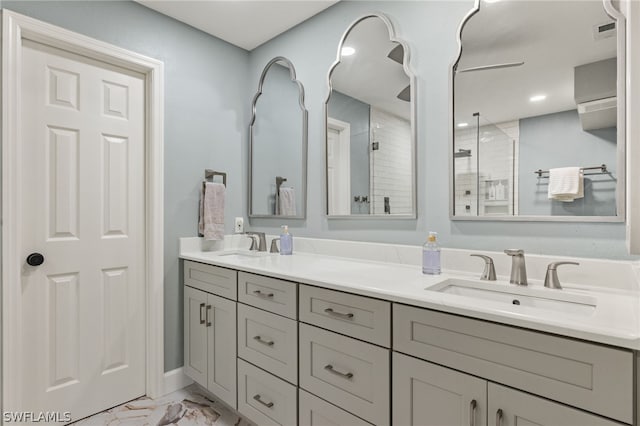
pixel 496 156
pixel 391 163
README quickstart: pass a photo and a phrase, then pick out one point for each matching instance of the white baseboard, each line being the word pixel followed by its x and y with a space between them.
pixel 175 380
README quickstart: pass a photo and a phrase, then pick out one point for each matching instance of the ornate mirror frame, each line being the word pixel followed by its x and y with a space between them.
pixel 305 137
pixel 413 115
pixel 621 186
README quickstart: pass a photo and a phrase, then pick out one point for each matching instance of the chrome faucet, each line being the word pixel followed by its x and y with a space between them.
pixel 518 267
pixel 259 238
pixel 551 279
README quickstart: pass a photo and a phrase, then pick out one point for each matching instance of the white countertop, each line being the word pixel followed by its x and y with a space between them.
pixel 615 320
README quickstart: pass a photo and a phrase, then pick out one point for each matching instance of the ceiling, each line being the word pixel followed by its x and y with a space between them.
pixel 369 75
pixel 551 37
pixel 244 23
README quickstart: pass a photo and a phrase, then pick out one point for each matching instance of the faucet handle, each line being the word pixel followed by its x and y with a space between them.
pixel 274 246
pixel 254 240
pixel 489 272
pixel 514 252
pixel 551 279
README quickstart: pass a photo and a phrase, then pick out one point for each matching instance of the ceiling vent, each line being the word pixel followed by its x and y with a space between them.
pixel 595 92
pixel 603 31
pixel 598 114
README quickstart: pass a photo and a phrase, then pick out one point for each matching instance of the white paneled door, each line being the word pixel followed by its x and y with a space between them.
pixel 82 171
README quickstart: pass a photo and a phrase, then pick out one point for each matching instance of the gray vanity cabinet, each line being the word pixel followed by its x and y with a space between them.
pixel 587 376
pixel 427 394
pixel 210 342
pixel 283 353
pixel 509 407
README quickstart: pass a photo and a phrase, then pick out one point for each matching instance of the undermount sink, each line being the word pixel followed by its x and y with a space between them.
pixel 243 253
pixel 544 299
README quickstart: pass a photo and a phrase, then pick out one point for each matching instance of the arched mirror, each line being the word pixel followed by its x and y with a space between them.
pixel 538 112
pixel 278 144
pixel 370 125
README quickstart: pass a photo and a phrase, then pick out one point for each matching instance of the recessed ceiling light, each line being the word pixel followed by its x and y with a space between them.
pixel 463 124
pixel 537 98
pixel 348 51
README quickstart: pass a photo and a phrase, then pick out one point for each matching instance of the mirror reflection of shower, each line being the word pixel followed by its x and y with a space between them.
pixel 486 175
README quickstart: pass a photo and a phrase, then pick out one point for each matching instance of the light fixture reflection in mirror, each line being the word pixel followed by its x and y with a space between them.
pixel 539 91
pixel 370 125
pixel 278 144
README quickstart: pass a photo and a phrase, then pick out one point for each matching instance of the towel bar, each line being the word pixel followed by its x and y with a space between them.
pixel 602 168
pixel 209 174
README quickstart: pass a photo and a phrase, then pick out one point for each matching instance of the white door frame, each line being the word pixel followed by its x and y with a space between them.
pixel 17 27
pixel 344 130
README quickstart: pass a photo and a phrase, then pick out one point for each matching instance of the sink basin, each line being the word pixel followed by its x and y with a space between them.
pixel 243 253
pixel 515 297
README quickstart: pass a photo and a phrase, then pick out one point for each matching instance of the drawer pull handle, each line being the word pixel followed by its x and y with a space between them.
pixel 266 404
pixel 330 369
pixel 472 412
pixel 499 417
pixel 261 294
pixel 338 314
pixel 208 320
pixel 264 342
pixel 201 315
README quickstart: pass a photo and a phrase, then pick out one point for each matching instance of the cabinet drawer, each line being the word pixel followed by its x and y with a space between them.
pixel 270 294
pixel 212 279
pixel 357 316
pixel 346 372
pixel 314 411
pixel 268 341
pixel 586 375
pixel 263 398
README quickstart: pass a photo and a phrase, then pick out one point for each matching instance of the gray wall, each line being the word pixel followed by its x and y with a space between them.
pixel 206 117
pixel 430 28
pixel 277 141
pixel 345 108
pixel 557 140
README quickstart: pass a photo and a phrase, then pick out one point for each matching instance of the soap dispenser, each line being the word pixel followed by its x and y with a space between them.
pixel 286 241
pixel 431 255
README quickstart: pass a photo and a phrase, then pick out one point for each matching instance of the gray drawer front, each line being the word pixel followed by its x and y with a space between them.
pixel 346 372
pixel 314 411
pixel 357 316
pixel 264 399
pixel 585 375
pixel 270 294
pixel 212 279
pixel 268 341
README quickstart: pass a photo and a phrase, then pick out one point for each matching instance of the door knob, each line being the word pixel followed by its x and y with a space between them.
pixel 35 259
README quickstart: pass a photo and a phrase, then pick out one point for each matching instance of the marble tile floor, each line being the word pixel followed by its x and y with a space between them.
pixel 186 407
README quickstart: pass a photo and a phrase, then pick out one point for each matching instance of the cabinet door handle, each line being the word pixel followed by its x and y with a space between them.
pixel 261 294
pixel 499 417
pixel 208 320
pixel 330 369
pixel 472 412
pixel 264 342
pixel 259 399
pixel 338 314
pixel 201 315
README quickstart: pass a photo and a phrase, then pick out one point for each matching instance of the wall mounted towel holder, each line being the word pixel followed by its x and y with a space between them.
pixel 602 169
pixel 210 174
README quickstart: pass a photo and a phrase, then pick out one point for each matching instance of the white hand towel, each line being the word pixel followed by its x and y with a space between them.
pixel 566 184
pixel 211 223
pixel 287 201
